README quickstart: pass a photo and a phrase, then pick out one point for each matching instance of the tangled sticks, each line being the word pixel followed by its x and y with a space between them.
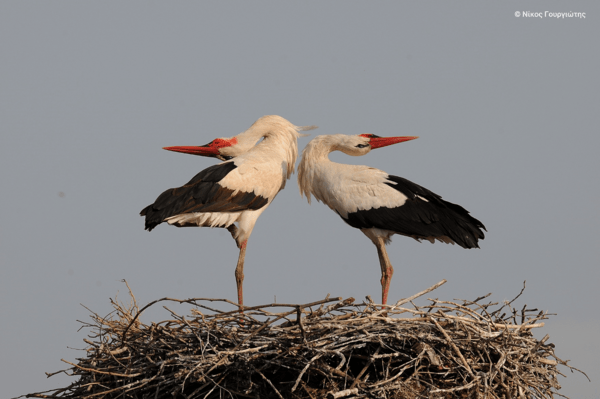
pixel 329 348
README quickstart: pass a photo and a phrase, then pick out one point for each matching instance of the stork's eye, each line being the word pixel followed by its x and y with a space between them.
pixel 362 145
pixel 226 157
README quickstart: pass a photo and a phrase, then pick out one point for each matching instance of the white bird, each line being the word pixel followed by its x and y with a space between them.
pixel 379 204
pixel 236 190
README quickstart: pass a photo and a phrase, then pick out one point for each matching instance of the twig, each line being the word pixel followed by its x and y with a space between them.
pixel 454 347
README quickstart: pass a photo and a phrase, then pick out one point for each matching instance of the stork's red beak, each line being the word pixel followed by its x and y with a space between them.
pixel 378 142
pixel 208 150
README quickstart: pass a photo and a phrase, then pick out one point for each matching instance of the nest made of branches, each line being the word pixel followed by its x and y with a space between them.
pixel 445 349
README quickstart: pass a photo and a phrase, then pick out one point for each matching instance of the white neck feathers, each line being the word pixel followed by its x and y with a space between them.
pixel 315 154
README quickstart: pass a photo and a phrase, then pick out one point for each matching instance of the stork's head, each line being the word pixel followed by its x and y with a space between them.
pixel 230 147
pixel 222 148
pixel 363 143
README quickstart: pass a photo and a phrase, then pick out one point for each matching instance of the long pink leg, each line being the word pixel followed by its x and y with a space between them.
pixel 387 271
pixel 239 273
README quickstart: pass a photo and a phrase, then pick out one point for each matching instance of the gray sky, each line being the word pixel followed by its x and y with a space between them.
pixel 507 110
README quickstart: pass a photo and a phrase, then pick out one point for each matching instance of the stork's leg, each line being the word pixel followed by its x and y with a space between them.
pixel 239 273
pixel 386 269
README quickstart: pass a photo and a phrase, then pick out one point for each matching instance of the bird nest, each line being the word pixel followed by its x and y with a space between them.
pixel 330 348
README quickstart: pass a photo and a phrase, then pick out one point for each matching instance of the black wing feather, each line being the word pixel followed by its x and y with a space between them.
pixel 422 219
pixel 202 193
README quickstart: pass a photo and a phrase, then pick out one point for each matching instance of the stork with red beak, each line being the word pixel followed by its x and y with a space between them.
pixel 226 148
pixel 237 190
pixel 379 204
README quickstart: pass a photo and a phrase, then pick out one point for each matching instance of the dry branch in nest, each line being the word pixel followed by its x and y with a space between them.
pixel 329 348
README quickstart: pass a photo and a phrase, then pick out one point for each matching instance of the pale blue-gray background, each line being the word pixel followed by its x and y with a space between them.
pixel 507 110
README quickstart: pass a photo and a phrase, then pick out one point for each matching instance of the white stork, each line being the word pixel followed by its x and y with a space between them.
pixel 379 204
pixel 236 190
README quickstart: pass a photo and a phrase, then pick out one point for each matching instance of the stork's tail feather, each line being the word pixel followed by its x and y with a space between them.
pixel 152 220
